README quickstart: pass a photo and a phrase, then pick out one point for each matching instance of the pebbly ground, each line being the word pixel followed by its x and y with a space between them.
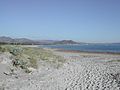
pixel 81 71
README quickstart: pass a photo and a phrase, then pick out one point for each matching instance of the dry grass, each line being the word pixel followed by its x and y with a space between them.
pixel 114 61
pixel 25 57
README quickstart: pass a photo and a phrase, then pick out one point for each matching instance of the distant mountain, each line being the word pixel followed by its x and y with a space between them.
pixel 46 42
pixel 24 41
pixel 116 43
pixel 66 42
pixel 8 40
pixel 4 39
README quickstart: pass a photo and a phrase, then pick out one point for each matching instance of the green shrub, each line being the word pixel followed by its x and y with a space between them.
pixel 16 51
pixel 4 49
pixel 16 62
pixel 27 70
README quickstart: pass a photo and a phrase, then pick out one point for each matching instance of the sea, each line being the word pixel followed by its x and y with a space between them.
pixel 109 48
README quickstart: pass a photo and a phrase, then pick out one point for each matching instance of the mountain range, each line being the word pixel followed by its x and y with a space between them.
pixel 25 41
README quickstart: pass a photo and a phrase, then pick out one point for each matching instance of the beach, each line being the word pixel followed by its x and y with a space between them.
pixel 80 71
pixel 59 44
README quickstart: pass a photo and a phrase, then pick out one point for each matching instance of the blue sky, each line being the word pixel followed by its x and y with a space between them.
pixel 80 20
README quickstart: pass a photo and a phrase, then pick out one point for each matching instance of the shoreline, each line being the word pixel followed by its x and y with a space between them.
pixel 90 52
pixel 71 51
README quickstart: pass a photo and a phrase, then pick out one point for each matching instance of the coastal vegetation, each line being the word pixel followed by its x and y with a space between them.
pixel 25 57
pixel 114 61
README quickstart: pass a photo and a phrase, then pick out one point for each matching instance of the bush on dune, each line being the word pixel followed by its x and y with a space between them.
pixel 25 57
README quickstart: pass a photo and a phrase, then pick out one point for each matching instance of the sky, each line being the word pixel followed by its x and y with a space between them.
pixel 80 20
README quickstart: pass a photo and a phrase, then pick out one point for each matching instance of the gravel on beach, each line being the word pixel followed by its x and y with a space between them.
pixel 81 71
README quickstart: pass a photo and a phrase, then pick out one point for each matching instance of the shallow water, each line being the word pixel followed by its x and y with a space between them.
pixel 115 48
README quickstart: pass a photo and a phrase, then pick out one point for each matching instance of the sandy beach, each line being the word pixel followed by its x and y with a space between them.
pixel 80 71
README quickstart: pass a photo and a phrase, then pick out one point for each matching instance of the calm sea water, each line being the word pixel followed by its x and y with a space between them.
pixel 115 48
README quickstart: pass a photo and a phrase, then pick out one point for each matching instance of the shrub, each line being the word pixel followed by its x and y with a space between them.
pixel 25 57
pixel 4 49
pixel 16 51
pixel 27 70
